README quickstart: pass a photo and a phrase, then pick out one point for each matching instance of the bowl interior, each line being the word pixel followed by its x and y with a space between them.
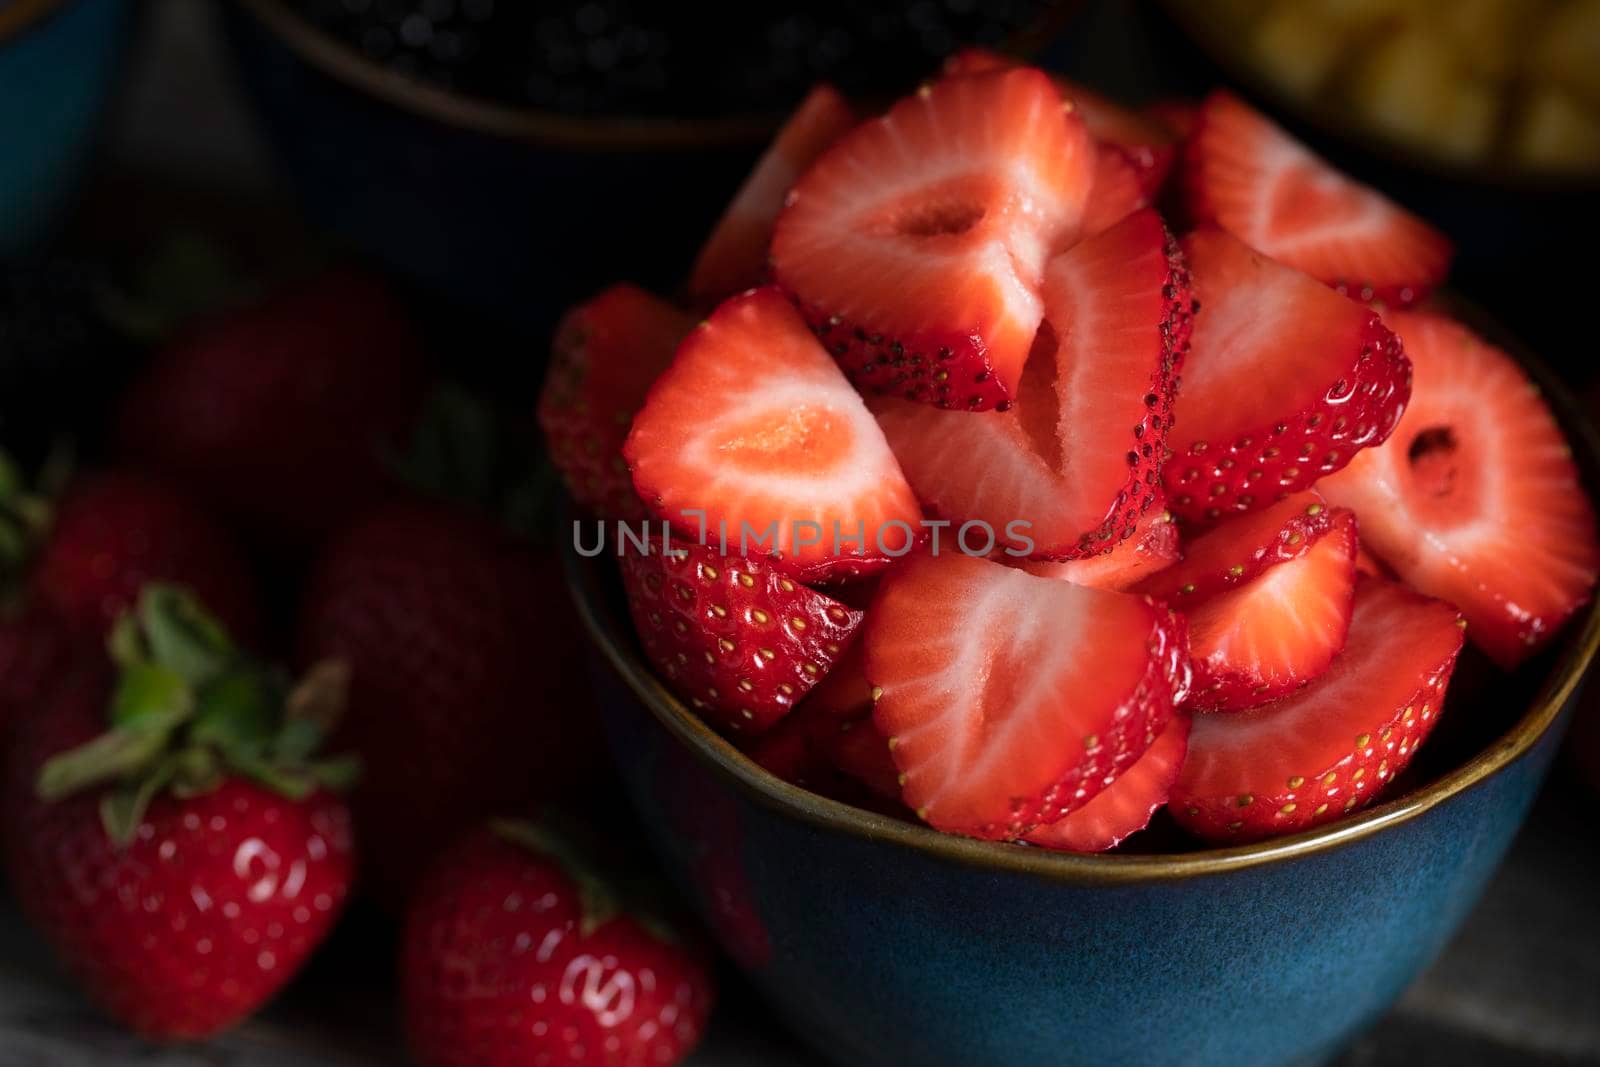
pixel 1493 717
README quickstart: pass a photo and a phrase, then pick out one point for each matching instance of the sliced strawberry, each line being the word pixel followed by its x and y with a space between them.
pixel 1117 192
pixel 1151 548
pixel 917 243
pixel 605 355
pixel 857 749
pixel 1148 145
pixel 734 257
pixel 1079 457
pixel 1250 177
pixel 1233 553
pixel 1476 499
pixel 1272 635
pixel 1330 748
pixel 736 638
pixel 755 427
pixel 1285 382
pixel 844 695
pixel 1010 700
pixel 1125 806
pixel 1370 565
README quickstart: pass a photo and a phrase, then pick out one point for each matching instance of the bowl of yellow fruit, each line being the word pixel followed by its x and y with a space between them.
pixel 1504 90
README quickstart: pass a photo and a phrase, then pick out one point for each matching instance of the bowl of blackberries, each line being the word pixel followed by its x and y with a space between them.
pixel 503 152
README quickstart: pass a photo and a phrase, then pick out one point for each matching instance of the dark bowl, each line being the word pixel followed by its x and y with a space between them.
pixel 58 61
pixel 513 210
pixel 885 942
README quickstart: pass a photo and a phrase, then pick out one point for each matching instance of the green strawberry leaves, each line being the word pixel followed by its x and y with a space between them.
pixel 189 709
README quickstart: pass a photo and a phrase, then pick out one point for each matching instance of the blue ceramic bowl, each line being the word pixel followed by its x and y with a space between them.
pixel 511 210
pixel 58 59
pixel 886 943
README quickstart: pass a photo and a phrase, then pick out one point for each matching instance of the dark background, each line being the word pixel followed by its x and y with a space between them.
pixel 183 149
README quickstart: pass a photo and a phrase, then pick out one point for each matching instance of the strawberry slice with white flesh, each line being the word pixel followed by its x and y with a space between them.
pixel 1124 807
pixel 1147 144
pixel 1116 194
pixel 1010 700
pixel 734 257
pixel 756 429
pixel 1277 632
pixel 1152 547
pixel 1330 748
pixel 1476 499
pixel 1249 176
pixel 1233 553
pixel 1078 459
pixel 1286 380
pixel 916 245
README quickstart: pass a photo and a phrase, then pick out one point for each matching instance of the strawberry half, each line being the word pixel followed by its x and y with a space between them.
pixel 1275 633
pixel 734 257
pixel 1476 499
pixel 755 427
pixel 1150 549
pixel 1079 457
pixel 604 357
pixel 1286 381
pixel 1145 143
pixel 1330 748
pixel 1125 806
pixel 917 243
pixel 736 638
pixel 1250 177
pixel 1233 553
pixel 1010 700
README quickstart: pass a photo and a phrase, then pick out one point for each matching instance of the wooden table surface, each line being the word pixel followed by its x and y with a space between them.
pixel 1519 985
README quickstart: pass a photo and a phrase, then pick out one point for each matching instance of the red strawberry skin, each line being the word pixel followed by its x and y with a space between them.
pixel 1285 382
pixel 1330 748
pixel 115 531
pixel 277 415
pixel 734 636
pixel 210 909
pixel 605 355
pixel 497 970
pixel 464 700
pixel 1010 700
pixel 1126 805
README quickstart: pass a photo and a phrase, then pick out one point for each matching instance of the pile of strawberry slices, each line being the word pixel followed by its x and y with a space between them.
pixel 1040 463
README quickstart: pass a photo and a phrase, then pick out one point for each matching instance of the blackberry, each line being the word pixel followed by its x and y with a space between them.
pixel 613 57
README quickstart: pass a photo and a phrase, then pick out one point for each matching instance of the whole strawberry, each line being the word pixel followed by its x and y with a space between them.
pixel 168 828
pixel 516 952
pixel 278 414
pixel 35 653
pixel 112 532
pixel 466 693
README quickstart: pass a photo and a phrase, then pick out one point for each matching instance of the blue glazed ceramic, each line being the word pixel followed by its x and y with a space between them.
pixel 515 211
pixel 58 59
pixel 885 943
